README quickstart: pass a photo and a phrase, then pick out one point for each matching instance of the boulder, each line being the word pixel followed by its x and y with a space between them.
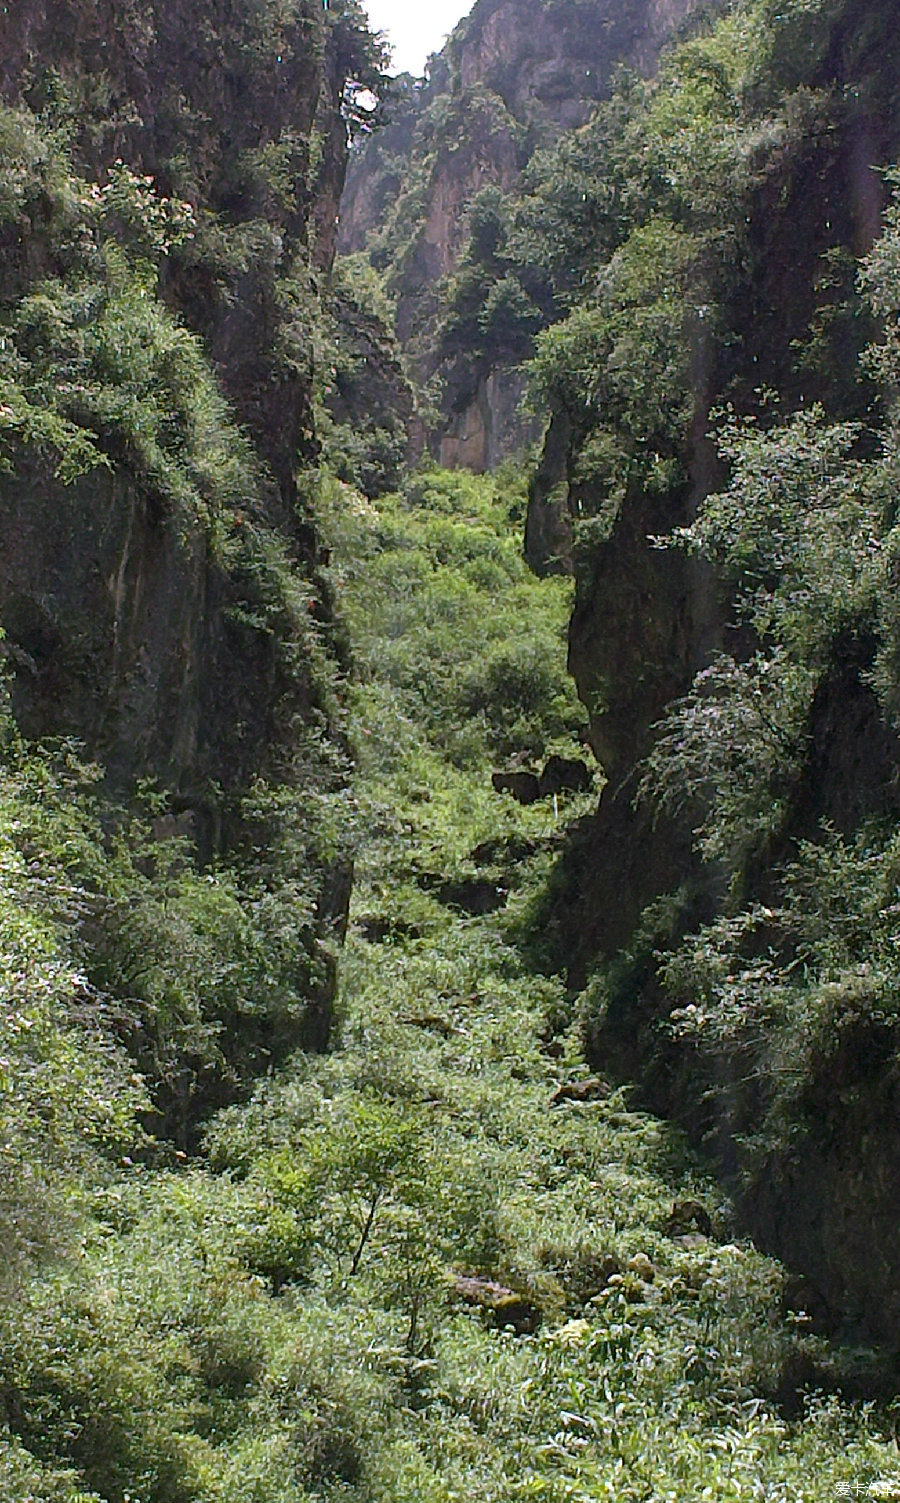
pixel 505 1307
pixel 524 786
pixel 564 775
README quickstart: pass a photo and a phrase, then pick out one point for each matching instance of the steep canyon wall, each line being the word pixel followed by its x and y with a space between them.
pixel 172 178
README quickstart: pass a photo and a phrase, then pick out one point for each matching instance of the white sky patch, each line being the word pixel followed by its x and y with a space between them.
pixel 415 28
pixel 366 100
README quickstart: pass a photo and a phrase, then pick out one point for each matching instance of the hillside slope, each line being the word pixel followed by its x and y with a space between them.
pixel 740 678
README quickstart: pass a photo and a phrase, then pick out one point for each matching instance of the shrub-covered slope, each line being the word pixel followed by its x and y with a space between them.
pixel 444 1260
pixel 450 1258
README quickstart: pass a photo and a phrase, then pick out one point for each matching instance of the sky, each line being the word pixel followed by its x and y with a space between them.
pixel 415 28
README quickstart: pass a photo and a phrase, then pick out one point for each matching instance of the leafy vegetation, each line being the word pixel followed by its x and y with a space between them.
pixel 448 1255
pixel 448 625
pixel 806 531
pixel 368 401
pixel 197 927
pixel 708 315
pixel 760 536
pixel 293 1312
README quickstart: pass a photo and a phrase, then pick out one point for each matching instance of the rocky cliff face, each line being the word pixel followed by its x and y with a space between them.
pixel 199 101
pixel 648 618
pixel 554 59
pixel 511 78
pixel 171 179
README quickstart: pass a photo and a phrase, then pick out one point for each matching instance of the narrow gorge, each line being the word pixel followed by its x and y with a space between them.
pixel 449 783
